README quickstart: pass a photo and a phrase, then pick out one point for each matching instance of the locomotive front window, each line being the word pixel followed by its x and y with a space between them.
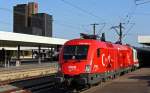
pixel 75 52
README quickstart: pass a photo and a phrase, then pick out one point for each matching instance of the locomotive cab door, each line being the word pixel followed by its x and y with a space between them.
pixel 96 60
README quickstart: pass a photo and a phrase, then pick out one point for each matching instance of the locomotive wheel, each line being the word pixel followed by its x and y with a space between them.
pixel 104 79
pixel 114 76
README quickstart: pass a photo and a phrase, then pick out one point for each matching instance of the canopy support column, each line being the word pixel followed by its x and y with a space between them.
pixel 18 63
pixel 39 56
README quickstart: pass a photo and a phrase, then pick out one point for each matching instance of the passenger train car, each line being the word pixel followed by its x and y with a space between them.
pixel 89 61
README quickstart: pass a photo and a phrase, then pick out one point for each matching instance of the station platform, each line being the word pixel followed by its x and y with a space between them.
pixel 27 71
pixel 134 82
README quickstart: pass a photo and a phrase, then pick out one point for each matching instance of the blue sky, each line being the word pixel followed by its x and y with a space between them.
pixel 70 21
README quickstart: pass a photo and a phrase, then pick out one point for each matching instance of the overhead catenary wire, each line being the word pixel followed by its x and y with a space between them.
pixel 101 29
pixel 126 21
pixel 127 32
pixel 82 10
pixel 67 25
pixel 59 23
pixel 129 15
pixel 85 28
pixel 86 12
pixel 137 3
pixel 62 23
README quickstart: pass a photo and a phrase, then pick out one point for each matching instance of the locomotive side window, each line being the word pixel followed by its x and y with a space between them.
pixel 98 52
pixel 75 52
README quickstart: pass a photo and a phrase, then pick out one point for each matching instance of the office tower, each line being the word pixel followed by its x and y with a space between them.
pixel 20 17
pixel 27 20
pixel 44 22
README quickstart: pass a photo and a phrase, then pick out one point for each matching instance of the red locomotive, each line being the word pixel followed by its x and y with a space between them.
pixel 89 61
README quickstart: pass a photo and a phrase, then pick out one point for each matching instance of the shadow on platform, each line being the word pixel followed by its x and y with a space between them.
pixel 145 78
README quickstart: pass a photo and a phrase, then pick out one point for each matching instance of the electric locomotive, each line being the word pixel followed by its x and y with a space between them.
pixel 87 61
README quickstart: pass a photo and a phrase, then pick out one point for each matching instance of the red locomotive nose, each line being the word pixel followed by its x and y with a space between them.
pixel 74 59
pixel 74 67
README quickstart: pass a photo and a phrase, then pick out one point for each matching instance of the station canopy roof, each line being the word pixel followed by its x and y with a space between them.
pixel 10 39
pixel 144 40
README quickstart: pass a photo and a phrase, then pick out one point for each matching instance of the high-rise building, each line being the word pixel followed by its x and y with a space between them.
pixel 44 22
pixel 27 20
pixel 20 17
pixel 32 8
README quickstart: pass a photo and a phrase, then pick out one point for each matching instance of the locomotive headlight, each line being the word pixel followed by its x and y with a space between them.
pixel 87 68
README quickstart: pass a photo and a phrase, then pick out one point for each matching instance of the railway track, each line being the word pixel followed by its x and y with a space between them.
pixel 46 85
pixel 35 85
